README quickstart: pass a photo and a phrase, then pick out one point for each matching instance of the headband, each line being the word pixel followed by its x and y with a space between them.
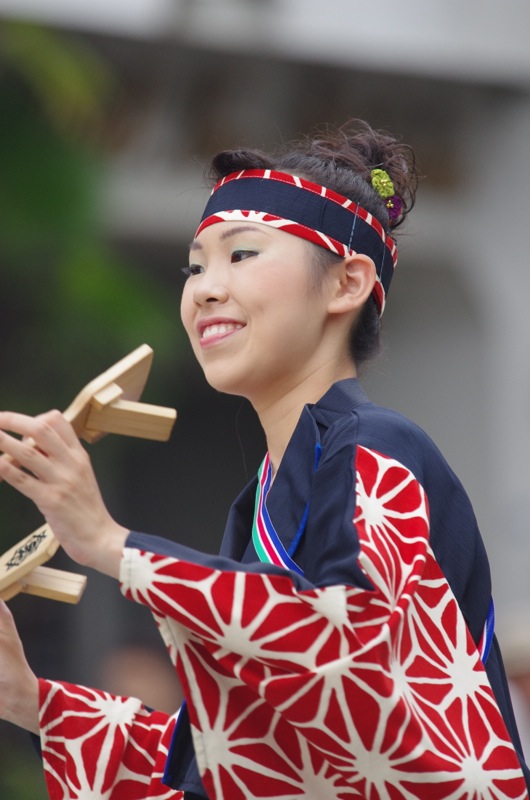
pixel 307 210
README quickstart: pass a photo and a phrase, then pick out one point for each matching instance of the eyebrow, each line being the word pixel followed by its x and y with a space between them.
pixel 195 245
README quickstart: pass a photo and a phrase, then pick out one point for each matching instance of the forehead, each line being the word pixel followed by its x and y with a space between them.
pixel 223 231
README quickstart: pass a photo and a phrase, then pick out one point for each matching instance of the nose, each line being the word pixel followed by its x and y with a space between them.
pixel 210 288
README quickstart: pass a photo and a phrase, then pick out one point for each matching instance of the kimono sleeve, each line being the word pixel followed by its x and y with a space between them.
pixel 97 746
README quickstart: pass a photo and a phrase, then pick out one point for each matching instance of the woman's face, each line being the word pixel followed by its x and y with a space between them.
pixel 255 321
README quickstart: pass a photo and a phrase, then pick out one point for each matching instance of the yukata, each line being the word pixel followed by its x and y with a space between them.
pixel 340 646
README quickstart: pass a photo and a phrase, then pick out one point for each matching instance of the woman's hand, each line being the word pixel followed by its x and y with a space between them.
pixel 51 467
pixel 19 687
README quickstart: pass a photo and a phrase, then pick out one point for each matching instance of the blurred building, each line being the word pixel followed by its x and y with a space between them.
pixel 453 78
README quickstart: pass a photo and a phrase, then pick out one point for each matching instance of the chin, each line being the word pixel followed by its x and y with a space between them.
pixel 223 382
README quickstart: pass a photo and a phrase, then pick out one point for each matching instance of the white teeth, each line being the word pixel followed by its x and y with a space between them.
pixel 217 330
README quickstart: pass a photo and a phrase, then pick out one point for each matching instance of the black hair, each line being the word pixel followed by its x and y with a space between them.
pixel 341 159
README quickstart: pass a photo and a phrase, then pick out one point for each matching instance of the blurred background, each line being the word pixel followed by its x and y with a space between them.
pixel 109 112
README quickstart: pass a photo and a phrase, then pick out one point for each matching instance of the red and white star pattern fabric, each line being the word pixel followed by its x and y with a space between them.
pixel 336 692
pixel 96 745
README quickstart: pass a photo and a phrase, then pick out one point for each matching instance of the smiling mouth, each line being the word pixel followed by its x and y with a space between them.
pixel 219 330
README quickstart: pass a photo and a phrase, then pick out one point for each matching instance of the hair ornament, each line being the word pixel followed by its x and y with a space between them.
pixel 383 185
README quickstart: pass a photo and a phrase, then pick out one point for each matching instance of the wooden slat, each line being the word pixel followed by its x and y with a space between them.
pixel 132 419
pixel 54 584
pixel 31 552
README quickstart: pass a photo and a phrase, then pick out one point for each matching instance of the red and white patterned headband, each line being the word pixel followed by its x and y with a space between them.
pixel 307 210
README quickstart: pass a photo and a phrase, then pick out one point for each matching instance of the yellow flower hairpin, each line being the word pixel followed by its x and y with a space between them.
pixel 383 185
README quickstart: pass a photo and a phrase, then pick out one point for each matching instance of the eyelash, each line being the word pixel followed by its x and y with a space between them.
pixel 245 253
pixel 192 269
pixel 196 269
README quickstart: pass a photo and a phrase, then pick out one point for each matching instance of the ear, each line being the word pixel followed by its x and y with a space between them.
pixel 352 284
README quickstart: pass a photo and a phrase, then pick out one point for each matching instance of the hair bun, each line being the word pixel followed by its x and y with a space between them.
pixel 359 149
pixel 228 161
pixel 342 159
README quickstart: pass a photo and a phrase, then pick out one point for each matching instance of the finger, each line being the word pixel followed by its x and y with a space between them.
pixel 21 424
pixel 7 623
pixel 51 432
pixel 9 445
pixel 45 433
pixel 22 453
pixel 11 460
pixel 22 481
pixel 62 427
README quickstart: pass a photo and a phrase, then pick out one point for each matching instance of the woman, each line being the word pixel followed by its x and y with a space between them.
pixel 341 645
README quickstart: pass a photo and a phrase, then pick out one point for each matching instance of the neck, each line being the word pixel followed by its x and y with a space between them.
pixel 279 416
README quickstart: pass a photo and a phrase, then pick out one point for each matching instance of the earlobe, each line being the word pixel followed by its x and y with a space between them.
pixel 353 284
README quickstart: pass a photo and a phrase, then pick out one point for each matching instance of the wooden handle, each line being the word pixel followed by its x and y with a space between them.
pixel 54 584
pixel 131 419
pixel 109 403
pixel 23 558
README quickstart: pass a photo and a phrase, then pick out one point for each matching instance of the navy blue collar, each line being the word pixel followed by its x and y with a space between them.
pixel 287 498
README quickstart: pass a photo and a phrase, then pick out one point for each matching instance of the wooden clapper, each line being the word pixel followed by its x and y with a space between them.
pixel 108 404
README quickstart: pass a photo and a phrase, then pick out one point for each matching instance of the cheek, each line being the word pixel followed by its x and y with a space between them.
pixel 186 309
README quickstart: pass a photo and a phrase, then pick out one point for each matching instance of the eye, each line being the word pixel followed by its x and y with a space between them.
pixel 241 255
pixel 192 269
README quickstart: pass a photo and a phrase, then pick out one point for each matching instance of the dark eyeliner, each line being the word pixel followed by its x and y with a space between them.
pixel 191 269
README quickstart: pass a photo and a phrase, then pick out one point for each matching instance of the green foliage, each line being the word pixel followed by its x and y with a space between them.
pixel 70 306
pixel 48 187
pixel 66 78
